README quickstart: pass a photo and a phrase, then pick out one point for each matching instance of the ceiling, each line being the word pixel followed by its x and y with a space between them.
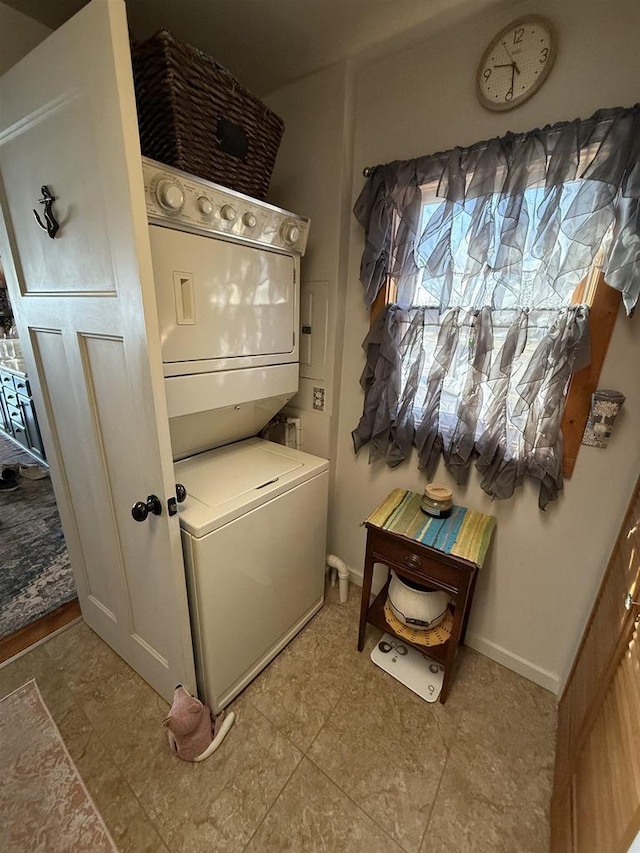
pixel 269 43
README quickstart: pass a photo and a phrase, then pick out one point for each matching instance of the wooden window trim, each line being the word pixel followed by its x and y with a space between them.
pixel 603 303
pixel 386 295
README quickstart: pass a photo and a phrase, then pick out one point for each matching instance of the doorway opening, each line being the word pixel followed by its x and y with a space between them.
pixel 37 590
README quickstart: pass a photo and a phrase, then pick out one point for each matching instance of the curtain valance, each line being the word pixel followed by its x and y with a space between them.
pixel 586 178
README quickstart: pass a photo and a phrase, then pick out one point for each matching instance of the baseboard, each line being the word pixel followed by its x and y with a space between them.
pixel 356 576
pixel 549 680
pixel 25 639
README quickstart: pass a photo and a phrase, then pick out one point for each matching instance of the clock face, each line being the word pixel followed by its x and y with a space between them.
pixel 516 63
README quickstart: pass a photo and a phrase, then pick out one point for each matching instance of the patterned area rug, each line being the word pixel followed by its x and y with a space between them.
pixel 35 575
pixel 44 803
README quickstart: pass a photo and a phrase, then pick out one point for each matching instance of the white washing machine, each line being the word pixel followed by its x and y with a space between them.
pixel 253 532
pixel 254 519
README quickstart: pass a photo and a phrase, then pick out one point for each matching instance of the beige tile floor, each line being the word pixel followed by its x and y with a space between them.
pixel 328 752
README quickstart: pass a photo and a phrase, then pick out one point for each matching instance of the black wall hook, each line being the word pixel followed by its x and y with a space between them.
pixel 52 227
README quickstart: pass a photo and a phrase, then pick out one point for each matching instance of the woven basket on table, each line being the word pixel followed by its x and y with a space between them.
pixel 420 636
pixel 194 115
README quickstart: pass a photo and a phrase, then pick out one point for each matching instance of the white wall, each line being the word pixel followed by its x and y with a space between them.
pixel 536 589
pixel 312 177
pixel 18 35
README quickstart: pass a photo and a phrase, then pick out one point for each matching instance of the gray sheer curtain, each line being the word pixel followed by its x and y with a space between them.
pixel 486 246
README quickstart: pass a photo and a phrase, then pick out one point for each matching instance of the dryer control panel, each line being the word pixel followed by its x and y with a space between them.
pixel 178 200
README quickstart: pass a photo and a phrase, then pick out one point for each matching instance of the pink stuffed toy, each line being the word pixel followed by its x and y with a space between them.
pixel 193 733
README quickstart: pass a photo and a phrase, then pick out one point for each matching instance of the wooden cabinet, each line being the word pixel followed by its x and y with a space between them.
pixel 17 413
pixel 596 800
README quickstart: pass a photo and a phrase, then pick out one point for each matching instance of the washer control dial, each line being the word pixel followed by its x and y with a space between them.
pixel 169 194
pixel 227 212
pixel 249 219
pixel 204 206
pixel 290 233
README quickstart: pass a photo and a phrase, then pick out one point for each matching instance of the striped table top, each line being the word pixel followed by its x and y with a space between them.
pixel 464 533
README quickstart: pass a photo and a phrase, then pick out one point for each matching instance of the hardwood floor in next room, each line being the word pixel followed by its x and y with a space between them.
pixel 35 575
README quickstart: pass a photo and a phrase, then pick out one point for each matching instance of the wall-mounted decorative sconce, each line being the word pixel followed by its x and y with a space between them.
pixel 605 405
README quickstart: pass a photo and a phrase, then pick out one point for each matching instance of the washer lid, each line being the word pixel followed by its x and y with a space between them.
pixel 225 483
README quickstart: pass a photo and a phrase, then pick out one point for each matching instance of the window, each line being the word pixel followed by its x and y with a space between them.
pixel 478 264
pixel 602 300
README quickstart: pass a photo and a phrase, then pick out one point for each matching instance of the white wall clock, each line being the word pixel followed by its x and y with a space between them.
pixel 516 63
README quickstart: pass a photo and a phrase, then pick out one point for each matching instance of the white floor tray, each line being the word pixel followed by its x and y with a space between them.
pixel 409 666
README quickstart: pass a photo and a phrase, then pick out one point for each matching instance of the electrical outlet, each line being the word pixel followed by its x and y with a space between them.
pixel 318 398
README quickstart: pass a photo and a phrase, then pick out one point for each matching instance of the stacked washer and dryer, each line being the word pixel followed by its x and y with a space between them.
pixel 253 523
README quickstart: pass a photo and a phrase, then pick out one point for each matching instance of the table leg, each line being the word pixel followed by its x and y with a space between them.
pixel 459 602
pixel 467 606
pixel 366 596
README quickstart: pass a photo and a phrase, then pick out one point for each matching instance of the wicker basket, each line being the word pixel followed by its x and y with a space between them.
pixel 195 116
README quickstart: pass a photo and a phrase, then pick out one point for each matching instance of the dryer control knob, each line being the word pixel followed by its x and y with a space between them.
pixel 170 195
pixel 290 233
pixel 227 212
pixel 249 219
pixel 204 206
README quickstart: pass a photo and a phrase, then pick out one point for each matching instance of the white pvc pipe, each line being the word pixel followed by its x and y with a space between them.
pixel 296 423
pixel 343 575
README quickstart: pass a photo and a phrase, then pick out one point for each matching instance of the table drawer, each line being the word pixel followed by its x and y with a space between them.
pixel 6 380
pixel 15 413
pixel 10 397
pixel 409 556
pixel 22 386
pixel 20 434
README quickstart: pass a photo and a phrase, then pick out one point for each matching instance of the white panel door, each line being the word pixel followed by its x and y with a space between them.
pixel 86 314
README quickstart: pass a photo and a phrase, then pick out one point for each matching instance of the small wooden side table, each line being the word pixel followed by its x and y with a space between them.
pixel 440 553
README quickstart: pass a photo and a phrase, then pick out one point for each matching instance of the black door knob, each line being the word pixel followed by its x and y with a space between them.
pixel 181 492
pixel 141 510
